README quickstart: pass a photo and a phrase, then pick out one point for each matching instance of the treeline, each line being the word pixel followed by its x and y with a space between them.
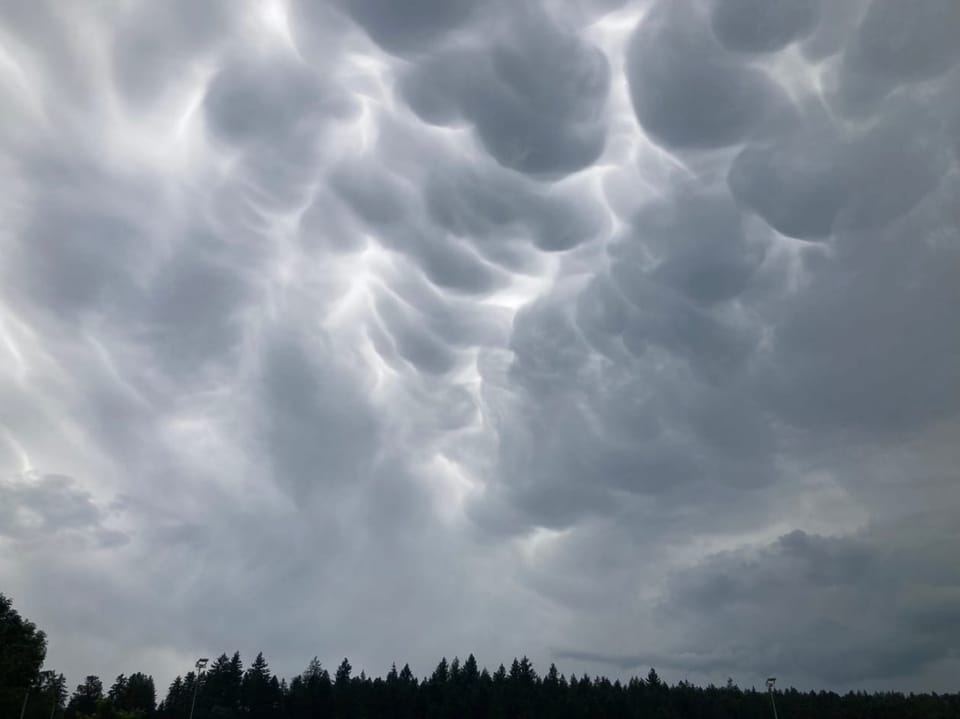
pixel 454 690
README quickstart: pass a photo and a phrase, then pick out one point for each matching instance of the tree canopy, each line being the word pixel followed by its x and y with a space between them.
pixel 453 690
pixel 23 648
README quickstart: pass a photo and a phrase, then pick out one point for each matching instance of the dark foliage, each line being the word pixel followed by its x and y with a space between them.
pixel 22 651
pixel 461 690
pixel 454 690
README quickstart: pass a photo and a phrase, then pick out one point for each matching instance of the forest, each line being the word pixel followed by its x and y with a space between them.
pixel 223 688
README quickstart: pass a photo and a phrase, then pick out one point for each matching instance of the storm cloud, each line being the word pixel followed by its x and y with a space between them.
pixel 611 333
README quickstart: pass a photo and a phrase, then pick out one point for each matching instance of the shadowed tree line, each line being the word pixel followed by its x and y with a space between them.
pixel 454 690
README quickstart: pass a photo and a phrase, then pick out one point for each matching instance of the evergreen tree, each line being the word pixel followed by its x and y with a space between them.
pixel 452 690
pixel 404 695
pixel 342 677
pixel 47 697
pixel 441 673
pixel 118 689
pixel 260 691
pixel 470 671
pixel 309 694
pixel 85 698
pixel 172 707
pixel 180 697
pixel 138 696
pixel 221 688
pixel 53 695
pixel 23 648
pixel 343 690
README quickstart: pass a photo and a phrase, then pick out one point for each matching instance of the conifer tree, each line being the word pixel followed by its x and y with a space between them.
pixel 260 691
pixel 85 698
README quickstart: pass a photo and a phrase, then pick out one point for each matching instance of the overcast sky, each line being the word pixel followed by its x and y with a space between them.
pixel 615 334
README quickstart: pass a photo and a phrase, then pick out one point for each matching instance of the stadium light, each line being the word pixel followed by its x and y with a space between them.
pixel 201 663
pixel 770 682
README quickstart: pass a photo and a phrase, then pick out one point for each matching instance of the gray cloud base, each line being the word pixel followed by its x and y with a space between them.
pixel 624 329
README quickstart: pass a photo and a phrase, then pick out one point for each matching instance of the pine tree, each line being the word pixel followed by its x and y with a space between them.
pixel 221 688
pixel 441 674
pixel 309 694
pixel 118 690
pixel 260 691
pixel 342 677
pixel 470 672
pixel 52 691
pixel 343 693
pixel 170 706
pixel 134 695
pixel 85 698
pixel 141 695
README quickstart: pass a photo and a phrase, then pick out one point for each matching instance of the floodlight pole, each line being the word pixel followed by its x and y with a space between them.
pixel 55 695
pixel 201 663
pixel 26 696
pixel 770 682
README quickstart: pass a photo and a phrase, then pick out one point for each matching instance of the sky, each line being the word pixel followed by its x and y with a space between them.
pixel 616 334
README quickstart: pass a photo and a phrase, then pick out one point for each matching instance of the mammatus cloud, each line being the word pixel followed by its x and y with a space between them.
pixel 607 332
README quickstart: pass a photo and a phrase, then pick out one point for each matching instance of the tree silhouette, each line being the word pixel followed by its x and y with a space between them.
pixel 85 698
pixel 23 648
pixel 452 690
pixel 260 691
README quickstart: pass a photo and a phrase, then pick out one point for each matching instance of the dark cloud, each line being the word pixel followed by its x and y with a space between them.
pixel 535 96
pixel 686 91
pixel 758 26
pixel 268 102
pixel 274 111
pixel 822 178
pixel 412 28
pixel 52 508
pixel 318 428
pixel 622 328
pixel 892 47
pixel 865 317
pixel 695 244
pixel 193 309
pixel 496 209
pixel 825 607
pixel 796 184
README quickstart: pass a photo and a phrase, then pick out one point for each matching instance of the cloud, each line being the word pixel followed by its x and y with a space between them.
pixel 752 26
pixel 891 48
pixel 686 91
pixel 830 608
pixel 623 328
pixel 412 28
pixel 155 46
pixel 695 244
pixel 45 509
pixel 535 96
